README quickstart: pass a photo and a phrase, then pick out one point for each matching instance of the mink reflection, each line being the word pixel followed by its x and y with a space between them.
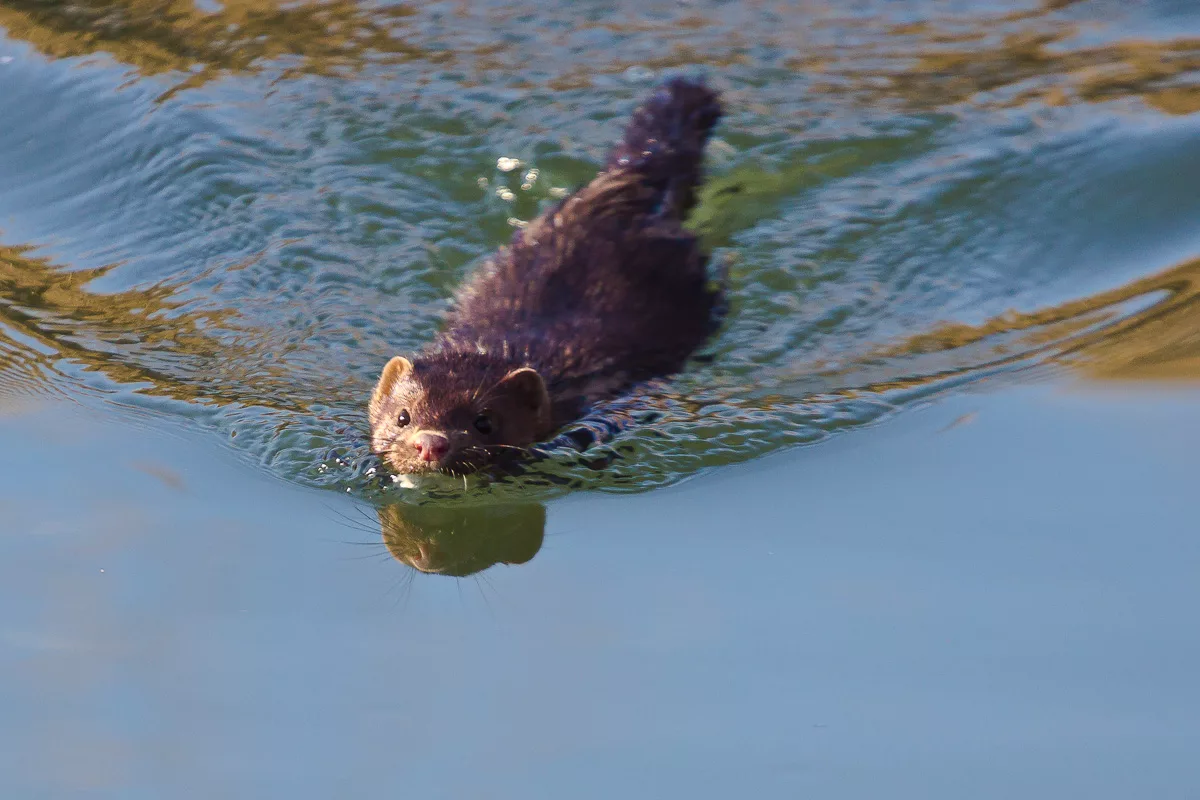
pixel 460 541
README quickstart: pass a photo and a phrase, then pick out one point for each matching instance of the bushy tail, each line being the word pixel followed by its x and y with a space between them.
pixel 664 141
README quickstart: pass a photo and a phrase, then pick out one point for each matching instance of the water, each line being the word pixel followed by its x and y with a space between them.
pixel 219 222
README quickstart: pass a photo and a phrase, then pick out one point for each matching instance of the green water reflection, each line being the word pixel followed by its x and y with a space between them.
pixel 459 541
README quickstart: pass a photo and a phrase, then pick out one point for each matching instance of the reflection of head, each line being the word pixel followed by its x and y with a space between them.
pixel 451 540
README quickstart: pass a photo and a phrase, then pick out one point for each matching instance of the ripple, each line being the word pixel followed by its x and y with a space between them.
pixel 240 256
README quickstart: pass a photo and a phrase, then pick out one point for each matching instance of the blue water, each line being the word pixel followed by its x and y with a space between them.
pixel 918 527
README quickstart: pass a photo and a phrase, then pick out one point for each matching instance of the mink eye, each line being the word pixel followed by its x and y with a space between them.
pixel 403 419
pixel 483 424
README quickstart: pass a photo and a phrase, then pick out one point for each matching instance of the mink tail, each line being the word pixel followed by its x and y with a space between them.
pixel 664 142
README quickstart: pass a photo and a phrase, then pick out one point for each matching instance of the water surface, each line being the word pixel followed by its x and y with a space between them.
pixel 220 220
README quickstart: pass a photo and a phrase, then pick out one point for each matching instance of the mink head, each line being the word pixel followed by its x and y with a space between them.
pixel 455 412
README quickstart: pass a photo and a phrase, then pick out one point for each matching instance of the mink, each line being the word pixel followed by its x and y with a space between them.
pixel 602 292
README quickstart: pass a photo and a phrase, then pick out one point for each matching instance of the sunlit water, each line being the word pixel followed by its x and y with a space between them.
pixel 218 222
pixel 912 197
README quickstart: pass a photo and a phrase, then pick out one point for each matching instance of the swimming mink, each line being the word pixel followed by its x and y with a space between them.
pixel 601 292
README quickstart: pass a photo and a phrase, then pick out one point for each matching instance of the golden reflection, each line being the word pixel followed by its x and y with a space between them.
pixel 1020 56
pixel 1047 69
pixel 234 36
pixel 48 314
pixel 458 540
pixel 994 58
pixel 1159 341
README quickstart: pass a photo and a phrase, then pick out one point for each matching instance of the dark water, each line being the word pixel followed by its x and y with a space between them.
pixel 964 241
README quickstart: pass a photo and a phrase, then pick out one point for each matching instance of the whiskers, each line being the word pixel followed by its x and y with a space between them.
pixel 483 458
pixel 360 522
pixel 490 447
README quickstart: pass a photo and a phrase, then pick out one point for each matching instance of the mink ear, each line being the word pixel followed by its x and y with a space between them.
pixel 395 371
pixel 527 386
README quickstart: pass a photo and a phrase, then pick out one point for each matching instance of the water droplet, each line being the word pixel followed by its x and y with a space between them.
pixel 638 74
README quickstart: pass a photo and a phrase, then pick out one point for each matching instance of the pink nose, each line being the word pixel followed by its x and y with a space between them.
pixel 431 446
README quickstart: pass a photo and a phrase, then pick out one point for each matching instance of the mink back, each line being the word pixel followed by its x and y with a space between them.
pixel 607 288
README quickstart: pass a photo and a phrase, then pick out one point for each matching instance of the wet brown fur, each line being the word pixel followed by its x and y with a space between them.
pixel 603 291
